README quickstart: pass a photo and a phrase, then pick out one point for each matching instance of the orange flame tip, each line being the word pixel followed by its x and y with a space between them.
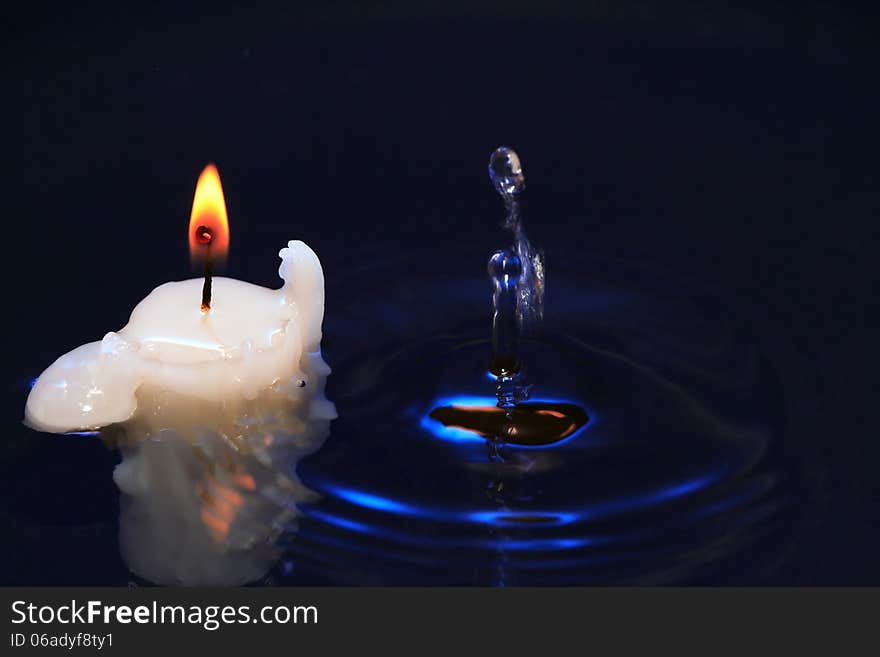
pixel 209 212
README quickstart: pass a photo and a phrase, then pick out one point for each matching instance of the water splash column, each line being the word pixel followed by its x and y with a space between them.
pixel 506 175
pixel 505 270
pixel 517 276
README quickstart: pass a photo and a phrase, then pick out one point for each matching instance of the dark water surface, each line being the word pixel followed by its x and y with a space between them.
pixel 704 187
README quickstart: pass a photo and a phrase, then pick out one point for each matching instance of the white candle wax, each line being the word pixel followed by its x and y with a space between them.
pixel 252 338
pixel 208 490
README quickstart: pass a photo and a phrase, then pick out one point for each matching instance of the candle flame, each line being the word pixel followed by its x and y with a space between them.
pixel 208 223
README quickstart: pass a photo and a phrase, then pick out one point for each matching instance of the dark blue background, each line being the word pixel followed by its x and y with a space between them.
pixel 736 146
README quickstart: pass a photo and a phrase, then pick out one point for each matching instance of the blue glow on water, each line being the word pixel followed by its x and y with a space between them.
pixel 339 521
pixel 542 528
pixel 521 518
pixel 376 502
pixel 467 401
pixel 452 434
pixel 455 434
pixel 646 500
pixel 501 543
pixel 524 517
pixel 458 435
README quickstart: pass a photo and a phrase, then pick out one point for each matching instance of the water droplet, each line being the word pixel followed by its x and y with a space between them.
pixel 300 383
pixel 505 172
pixel 505 267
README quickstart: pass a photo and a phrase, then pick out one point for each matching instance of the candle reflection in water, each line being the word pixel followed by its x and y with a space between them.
pixel 208 490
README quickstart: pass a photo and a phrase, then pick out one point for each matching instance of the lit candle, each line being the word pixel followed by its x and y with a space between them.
pixel 246 338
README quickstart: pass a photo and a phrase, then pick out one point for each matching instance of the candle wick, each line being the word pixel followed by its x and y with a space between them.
pixel 206 288
pixel 205 237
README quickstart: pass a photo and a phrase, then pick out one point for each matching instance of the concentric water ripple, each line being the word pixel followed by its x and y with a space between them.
pixel 680 467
